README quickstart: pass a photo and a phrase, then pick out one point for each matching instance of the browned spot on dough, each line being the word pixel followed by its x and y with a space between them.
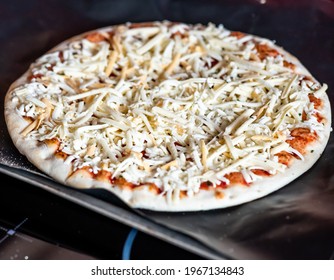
pixel 103 176
pixel 83 172
pixel 151 187
pixel 61 155
pixel 154 188
pixel 28 119
pixel 53 143
pixel 219 194
pixel 124 184
pixel 183 194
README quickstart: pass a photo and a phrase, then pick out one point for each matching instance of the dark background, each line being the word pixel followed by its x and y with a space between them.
pixel 296 222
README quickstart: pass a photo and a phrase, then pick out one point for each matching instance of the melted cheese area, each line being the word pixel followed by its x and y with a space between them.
pixel 171 104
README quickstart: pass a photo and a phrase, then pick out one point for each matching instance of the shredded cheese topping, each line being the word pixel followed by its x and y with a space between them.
pixel 170 104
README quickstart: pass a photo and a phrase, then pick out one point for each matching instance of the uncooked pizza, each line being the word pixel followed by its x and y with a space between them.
pixel 170 116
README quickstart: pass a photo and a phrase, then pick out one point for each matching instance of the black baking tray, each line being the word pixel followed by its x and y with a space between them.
pixel 296 222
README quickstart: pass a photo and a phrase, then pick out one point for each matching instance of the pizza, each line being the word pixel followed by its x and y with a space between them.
pixel 170 116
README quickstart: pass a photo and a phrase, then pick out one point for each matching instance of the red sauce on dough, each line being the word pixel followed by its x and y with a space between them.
pixel 181 35
pixel 152 187
pixel 61 56
pixel 265 51
pixel 103 175
pixel 319 117
pixel 50 68
pixel 205 186
pixel 318 103
pixel 208 186
pixel 261 172
pixel 302 137
pixel 289 65
pixel 284 157
pixel 144 154
pixel 95 37
pixel 237 34
pixel 213 63
pixel 36 76
pixel 236 178
pixel 222 185
pixel 122 183
pixel 140 25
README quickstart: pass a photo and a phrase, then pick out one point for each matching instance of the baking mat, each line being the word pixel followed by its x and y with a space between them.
pixel 296 222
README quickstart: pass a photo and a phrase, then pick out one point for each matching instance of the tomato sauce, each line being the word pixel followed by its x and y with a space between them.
pixel 319 117
pixel 284 158
pixel 122 183
pixel 265 51
pixel 95 37
pixel 289 65
pixel 140 25
pixel 318 103
pixel 235 178
pixel 36 76
pixel 261 172
pixel 302 137
pixel 237 34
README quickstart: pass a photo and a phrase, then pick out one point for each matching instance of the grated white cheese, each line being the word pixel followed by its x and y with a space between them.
pixel 168 104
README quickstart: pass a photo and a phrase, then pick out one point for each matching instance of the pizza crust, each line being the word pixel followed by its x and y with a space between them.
pixel 43 156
